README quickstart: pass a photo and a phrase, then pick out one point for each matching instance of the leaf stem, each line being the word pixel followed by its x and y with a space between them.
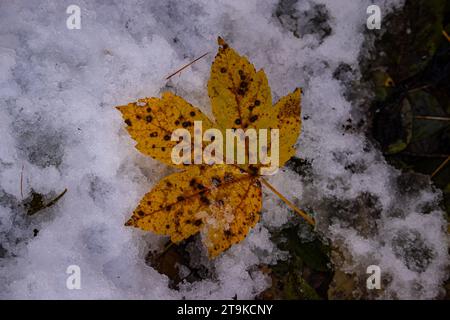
pixel 301 213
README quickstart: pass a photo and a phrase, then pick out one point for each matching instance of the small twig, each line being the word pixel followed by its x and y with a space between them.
pixel 445 34
pixel 21 182
pixel 290 204
pixel 419 88
pixel 424 155
pixel 190 63
pixel 164 251
pixel 440 167
pixel 167 248
pixel 432 118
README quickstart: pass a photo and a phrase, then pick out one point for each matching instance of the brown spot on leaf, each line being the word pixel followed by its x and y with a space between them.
pixel 216 181
pixel 205 200
pixel 200 186
pixel 228 177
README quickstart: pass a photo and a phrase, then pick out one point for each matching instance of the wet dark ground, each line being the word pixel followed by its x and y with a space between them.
pixel 410 76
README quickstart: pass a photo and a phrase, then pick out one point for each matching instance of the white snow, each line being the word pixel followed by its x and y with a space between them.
pixel 58 89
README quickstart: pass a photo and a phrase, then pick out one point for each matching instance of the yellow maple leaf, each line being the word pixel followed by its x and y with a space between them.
pixel 222 201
